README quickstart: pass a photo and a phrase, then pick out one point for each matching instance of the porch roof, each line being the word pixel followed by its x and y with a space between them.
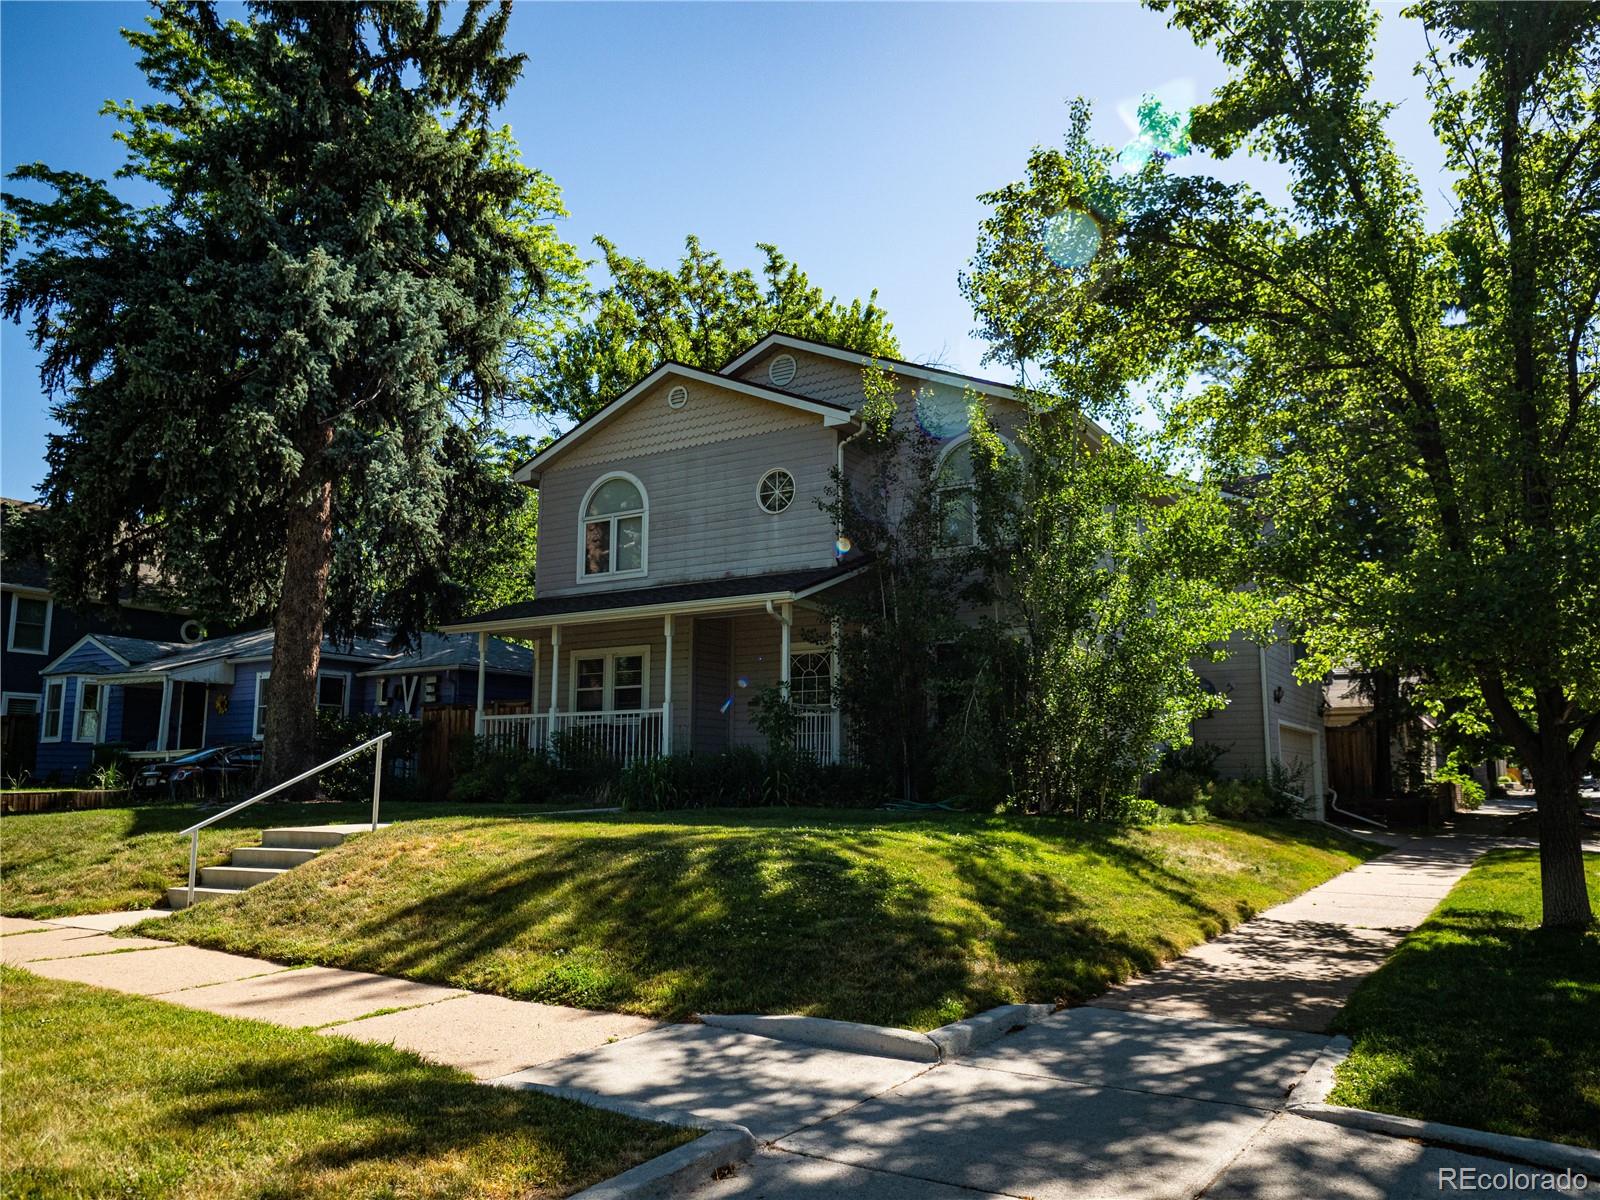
pixel 701 595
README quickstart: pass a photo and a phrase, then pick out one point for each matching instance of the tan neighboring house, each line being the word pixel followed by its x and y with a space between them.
pixel 684 558
pixel 1270 717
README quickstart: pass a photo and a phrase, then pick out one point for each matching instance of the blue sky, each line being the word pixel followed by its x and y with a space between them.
pixel 856 137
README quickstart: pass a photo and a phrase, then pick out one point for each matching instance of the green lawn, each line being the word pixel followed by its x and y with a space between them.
pixel 900 919
pixel 113 859
pixel 112 1095
pixel 1482 1019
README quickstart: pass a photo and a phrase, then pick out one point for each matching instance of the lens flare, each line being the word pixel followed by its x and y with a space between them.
pixel 743 681
pixel 842 546
pixel 1161 124
pixel 1072 238
pixel 727 704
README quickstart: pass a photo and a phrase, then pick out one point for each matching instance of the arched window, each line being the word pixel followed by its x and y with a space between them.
pixel 614 516
pixel 958 514
pixel 957 495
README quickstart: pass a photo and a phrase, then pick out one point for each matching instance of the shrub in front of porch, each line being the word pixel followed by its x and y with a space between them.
pixel 742 778
pixel 569 771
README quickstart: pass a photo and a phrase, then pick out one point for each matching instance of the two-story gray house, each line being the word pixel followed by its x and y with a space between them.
pixel 683 555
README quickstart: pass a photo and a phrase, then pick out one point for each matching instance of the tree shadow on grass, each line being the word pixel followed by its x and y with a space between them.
pixel 672 923
pixel 1479 1020
pixel 386 1108
pixel 1047 930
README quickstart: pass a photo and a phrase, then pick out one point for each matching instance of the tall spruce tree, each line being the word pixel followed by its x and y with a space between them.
pixel 272 382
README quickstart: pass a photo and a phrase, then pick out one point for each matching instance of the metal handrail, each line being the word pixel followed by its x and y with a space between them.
pixel 377 781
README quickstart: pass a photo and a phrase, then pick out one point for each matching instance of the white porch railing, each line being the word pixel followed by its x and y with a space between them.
pixel 629 735
pixel 522 731
pixel 813 733
pixel 623 735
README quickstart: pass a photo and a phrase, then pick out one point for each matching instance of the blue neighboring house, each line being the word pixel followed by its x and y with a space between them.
pixel 152 698
pixel 37 628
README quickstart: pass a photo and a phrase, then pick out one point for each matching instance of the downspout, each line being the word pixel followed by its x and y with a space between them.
pixel 838 526
pixel 786 619
pixel 1266 713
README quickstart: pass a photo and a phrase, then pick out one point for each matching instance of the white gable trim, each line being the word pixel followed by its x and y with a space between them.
pixel 75 647
pixel 856 358
pixel 529 471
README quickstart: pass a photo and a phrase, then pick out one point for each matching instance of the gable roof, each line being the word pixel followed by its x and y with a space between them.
pixel 831 414
pixel 449 652
pixel 98 641
pixel 861 359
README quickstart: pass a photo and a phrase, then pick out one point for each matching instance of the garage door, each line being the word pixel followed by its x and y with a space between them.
pixel 1298 751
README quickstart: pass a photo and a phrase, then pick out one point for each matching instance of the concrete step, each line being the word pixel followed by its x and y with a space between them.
pixel 271 856
pixel 178 897
pixel 308 837
pixel 238 877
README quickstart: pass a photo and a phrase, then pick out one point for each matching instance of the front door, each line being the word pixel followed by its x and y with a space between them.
pixel 191 715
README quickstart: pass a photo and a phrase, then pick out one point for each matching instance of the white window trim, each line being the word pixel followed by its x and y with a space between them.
pixel 256 731
pixel 610 654
pixel 583 531
pixel 44 712
pixel 939 490
pixel 7 697
pixel 77 713
pixel 11 632
pixel 349 683
pixel 793 483
pixel 799 648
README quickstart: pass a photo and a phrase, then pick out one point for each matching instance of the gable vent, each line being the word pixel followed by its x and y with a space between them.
pixel 781 370
pixel 678 397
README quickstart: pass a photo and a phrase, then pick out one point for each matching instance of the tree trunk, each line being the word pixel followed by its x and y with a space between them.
pixel 1565 892
pixel 291 741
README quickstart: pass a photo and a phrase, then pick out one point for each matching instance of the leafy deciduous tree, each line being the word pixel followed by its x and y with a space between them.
pixel 702 314
pixel 1107 581
pixel 1420 402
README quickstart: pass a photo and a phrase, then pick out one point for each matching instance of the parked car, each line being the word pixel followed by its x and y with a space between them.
pixel 210 772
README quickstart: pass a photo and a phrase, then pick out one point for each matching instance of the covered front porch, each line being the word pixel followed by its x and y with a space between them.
pixel 647 672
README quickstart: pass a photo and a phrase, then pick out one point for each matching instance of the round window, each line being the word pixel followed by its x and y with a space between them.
pixel 775 492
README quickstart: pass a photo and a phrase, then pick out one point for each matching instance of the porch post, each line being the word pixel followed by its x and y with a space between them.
pixel 783 654
pixel 555 675
pixel 533 696
pixel 835 718
pixel 667 623
pixel 166 712
pixel 483 657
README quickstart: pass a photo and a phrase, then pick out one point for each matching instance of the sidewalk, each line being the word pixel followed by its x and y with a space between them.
pixel 1295 965
pixel 485 1036
pixel 1169 1088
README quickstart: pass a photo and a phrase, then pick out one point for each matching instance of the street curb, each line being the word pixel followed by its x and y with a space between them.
pixel 674 1173
pixel 880 1040
pixel 1317 1082
pixel 1530 1151
pixel 677 1172
pixel 963 1037
pixel 937 1045
pixel 628 1108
